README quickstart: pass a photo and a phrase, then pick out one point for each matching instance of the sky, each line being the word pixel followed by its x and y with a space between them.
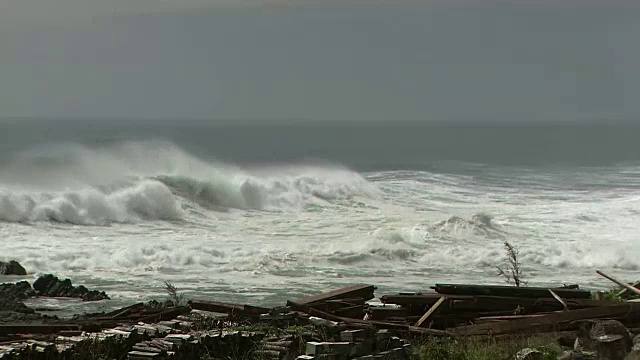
pixel 314 60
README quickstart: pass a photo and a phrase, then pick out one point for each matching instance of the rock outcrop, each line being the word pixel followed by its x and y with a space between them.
pixel 11 296
pixel 49 285
pixel 12 308
pixel 12 268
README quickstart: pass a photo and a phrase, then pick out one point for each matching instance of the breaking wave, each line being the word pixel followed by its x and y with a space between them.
pixel 155 181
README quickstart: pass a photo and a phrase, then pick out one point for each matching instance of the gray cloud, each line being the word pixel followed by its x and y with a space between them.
pixel 312 60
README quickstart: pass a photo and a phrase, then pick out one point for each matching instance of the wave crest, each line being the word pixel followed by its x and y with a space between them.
pixel 146 200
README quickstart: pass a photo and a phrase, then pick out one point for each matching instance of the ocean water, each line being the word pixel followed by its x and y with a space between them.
pixel 264 212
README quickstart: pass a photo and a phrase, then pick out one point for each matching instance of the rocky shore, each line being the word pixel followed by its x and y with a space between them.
pixel 451 321
pixel 13 295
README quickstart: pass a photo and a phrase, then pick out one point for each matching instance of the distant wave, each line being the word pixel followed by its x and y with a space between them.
pixel 146 200
pixel 154 181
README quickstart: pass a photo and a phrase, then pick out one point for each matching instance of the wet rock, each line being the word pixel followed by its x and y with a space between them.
pixel 12 268
pixel 50 286
pixel 11 306
pixel 611 347
pixel 21 290
pixel 529 354
pixel 597 333
pixel 577 355
pixel 635 352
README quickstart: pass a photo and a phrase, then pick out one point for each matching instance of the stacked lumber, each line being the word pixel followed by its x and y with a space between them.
pixel 451 305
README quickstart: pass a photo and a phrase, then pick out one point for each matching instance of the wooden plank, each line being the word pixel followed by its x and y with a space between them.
pixel 624 285
pixel 370 323
pixel 6 329
pixel 227 308
pixel 383 312
pixel 168 314
pixel 509 291
pixel 426 299
pixel 431 310
pixel 356 291
pixel 557 297
pixel 624 291
pixel 549 322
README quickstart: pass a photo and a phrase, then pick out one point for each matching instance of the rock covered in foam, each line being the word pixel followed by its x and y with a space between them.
pixel 49 285
pixel 12 268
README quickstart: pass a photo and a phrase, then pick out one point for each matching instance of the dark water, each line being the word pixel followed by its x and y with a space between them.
pixel 364 147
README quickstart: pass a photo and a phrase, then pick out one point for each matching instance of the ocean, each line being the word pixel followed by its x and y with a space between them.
pixel 261 212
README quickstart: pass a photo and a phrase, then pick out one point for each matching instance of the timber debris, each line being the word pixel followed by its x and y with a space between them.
pixel 354 326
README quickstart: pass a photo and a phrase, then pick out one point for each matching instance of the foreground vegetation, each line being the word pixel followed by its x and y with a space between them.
pixel 473 349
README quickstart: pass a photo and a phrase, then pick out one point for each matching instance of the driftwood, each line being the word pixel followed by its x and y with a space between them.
pixel 36 328
pixel 624 285
pixel 557 297
pixel 624 291
pixel 549 322
pixel 431 310
pixel 510 291
pixel 369 323
pixel 227 308
pixel 357 291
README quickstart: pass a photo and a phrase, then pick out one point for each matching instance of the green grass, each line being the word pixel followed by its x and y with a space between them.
pixel 475 349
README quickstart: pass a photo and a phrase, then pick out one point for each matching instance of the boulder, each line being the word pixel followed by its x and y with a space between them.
pixel 11 296
pixel 12 268
pixel 529 354
pixel 576 355
pixel 593 334
pixel 611 347
pixel 50 286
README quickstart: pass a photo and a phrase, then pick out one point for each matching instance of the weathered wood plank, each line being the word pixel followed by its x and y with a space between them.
pixel 227 308
pixel 36 328
pixel 431 310
pixel 356 291
pixel 379 324
pixel 549 322
pixel 509 291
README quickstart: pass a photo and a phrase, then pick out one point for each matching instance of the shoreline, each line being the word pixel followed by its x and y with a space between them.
pixel 499 318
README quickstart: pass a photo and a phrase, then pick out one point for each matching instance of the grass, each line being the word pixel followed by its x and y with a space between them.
pixel 512 274
pixel 107 349
pixel 476 349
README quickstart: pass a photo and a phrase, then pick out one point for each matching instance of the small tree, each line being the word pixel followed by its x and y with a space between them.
pixel 513 274
pixel 176 298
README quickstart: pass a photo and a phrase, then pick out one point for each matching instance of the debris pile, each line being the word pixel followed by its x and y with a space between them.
pixel 344 324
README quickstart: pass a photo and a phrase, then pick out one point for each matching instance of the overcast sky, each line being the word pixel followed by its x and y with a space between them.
pixel 315 60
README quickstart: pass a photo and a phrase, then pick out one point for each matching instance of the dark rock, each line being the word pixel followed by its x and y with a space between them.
pixel 635 352
pixel 611 347
pixel 50 286
pixel 21 290
pixel 11 305
pixel 576 355
pixel 12 268
pixel 529 354
pixel 593 334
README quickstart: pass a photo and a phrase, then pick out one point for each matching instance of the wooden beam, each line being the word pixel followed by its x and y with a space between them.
pixel 227 308
pixel 623 291
pixel 369 323
pixel 627 286
pixel 549 322
pixel 510 291
pixel 557 297
pixel 355 291
pixel 36 328
pixel 431 310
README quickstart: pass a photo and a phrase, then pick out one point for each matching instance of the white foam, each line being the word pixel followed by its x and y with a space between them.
pixel 144 200
pixel 134 181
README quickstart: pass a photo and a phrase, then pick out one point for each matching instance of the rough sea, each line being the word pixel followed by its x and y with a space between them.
pixel 263 212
